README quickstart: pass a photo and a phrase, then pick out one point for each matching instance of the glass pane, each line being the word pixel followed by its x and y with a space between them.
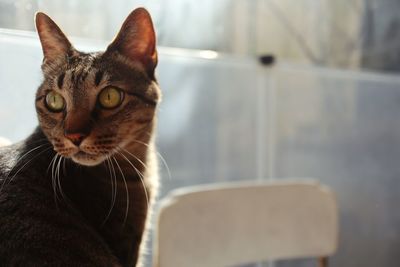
pixel 342 128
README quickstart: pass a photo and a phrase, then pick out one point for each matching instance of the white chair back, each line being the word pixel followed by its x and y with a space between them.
pixel 231 224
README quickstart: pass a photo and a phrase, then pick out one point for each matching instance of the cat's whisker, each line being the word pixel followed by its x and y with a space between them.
pixel 24 155
pixel 61 158
pixel 53 182
pixel 113 189
pixel 8 180
pixel 107 165
pixel 141 177
pixel 55 178
pixel 115 180
pixel 64 167
pixel 51 161
pixel 159 155
pixel 139 160
pixel 56 172
pixel 126 190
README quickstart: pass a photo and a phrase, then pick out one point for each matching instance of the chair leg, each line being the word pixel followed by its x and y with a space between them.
pixel 323 262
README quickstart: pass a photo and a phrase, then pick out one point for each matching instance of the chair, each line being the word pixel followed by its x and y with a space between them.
pixel 237 223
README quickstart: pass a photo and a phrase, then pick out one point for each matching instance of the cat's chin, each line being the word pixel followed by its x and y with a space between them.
pixel 86 159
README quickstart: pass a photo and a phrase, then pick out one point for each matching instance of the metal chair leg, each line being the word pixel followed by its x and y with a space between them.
pixel 323 262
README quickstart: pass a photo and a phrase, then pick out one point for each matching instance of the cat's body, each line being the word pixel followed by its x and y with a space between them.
pixel 77 192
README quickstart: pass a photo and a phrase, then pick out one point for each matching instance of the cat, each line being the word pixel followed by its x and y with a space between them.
pixel 78 191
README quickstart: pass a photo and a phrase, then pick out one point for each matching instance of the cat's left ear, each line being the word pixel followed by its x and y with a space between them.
pixel 54 43
pixel 136 40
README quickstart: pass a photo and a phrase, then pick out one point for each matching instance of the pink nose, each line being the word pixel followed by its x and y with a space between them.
pixel 76 138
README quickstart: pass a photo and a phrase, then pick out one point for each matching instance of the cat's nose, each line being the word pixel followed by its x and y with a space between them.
pixel 76 138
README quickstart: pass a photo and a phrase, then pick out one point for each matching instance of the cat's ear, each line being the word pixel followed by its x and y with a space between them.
pixel 136 40
pixel 55 45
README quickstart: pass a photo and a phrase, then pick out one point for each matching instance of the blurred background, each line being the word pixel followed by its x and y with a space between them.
pixel 328 108
pixel 349 34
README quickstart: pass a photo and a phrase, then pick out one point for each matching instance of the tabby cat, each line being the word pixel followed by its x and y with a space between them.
pixel 78 190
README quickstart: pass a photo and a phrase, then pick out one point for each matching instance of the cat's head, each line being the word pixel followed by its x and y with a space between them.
pixel 91 105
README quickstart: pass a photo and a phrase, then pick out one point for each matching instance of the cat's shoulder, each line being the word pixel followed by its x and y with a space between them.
pixel 8 156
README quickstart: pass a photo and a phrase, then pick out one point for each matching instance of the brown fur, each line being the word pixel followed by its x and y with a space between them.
pixel 87 204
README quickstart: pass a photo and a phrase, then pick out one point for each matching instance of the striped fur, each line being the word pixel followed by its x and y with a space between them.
pixel 64 203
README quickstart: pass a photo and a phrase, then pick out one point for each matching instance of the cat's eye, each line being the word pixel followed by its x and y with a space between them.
pixel 110 97
pixel 55 102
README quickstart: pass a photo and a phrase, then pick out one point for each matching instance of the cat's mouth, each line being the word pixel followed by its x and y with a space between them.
pixel 81 153
pixel 88 159
pixel 87 155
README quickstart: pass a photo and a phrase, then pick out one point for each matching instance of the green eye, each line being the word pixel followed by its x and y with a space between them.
pixel 54 101
pixel 110 97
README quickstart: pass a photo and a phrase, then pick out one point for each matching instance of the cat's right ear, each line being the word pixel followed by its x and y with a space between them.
pixel 136 40
pixel 55 45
